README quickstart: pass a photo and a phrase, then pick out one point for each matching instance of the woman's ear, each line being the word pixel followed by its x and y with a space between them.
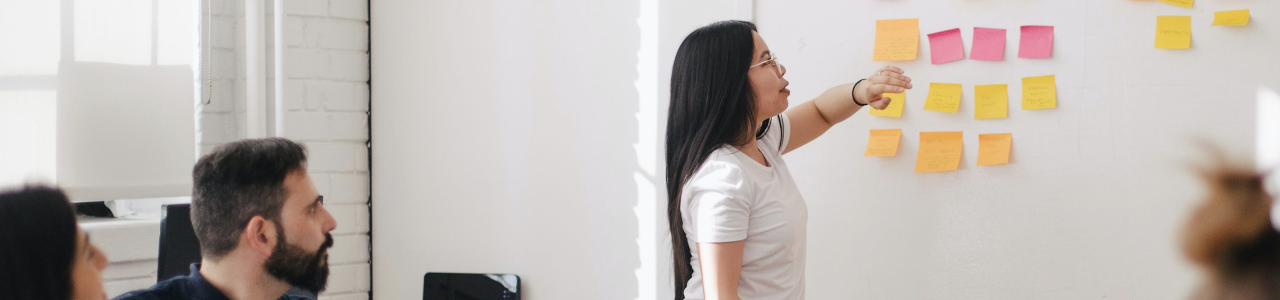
pixel 260 236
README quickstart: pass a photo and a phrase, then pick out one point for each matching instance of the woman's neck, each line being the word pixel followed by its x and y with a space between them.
pixel 752 150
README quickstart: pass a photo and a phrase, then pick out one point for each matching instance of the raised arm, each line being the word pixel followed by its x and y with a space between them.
pixel 811 119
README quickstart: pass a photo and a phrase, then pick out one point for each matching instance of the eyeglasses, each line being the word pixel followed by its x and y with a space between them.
pixel 773 60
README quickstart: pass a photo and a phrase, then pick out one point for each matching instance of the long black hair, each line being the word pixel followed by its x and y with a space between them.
pixel 37 244
pixel 712 105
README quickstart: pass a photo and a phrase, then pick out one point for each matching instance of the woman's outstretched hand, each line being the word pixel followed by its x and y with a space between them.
pixel 888 79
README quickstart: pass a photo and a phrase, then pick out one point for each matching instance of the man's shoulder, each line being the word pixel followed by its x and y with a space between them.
pixel 292 297
pixel 173 288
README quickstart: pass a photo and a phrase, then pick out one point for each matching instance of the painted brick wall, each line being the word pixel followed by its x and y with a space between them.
pixel 326 101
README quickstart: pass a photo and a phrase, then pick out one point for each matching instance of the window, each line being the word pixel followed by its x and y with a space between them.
pixel 99 97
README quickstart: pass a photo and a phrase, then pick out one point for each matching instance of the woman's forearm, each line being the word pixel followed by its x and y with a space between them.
pixel 837 103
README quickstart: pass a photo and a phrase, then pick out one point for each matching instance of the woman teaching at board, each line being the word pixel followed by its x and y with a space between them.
pixel 737 219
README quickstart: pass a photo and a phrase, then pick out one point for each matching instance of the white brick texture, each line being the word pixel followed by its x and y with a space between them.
pixel 327 98
pixel 326 108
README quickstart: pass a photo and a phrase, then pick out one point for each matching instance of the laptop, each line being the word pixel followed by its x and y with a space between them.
pixel 464 286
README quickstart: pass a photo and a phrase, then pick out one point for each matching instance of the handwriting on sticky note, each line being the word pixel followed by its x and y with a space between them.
pixel 894 110
pixel 1231 18
pixel 946 46
pixel 1036 42
pixel 939 151
pixel 883 142
pixel 1182 3
pixel 988 44
pixel 1039 92
pixel 991 101
pixel 943 97
pixel 1173 32
pixel 993 149
pixel 897 39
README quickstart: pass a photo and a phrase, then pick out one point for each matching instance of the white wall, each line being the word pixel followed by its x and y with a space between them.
pixel 326 102
pixel 506 141
pixel 1097 189
pixel 527 139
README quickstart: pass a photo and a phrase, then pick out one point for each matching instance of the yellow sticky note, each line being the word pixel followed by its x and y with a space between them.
pixel 883 142
pixel 943 97
pixel 897 39
pixel 993 149
pixel 991 101
pixel 939 151
pixel 1039 92
pixel 1182 3
pixel 1231 18
pixel 1173 32
pixel 894 110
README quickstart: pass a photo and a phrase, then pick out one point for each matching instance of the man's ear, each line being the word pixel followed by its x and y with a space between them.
pixel 260 236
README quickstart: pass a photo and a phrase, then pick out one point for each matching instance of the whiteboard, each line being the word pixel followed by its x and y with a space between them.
pixel 1097 189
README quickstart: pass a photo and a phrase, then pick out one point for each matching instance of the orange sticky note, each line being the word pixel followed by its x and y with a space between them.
pixel 943 97
pixel 1173 32
pixel 1182 3
pixel 1039 92
pixel 991 101
pixel 883 142
pixel 894 110
pixel 1231 18
pixel 897 39
pixel 939 151
pixel 993 148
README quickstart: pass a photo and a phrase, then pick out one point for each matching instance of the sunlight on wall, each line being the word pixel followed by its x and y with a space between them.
pixel 646 149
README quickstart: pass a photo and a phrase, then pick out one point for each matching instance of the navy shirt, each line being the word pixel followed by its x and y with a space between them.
pixel 185 287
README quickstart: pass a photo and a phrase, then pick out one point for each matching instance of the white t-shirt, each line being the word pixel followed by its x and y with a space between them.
pixel 732 198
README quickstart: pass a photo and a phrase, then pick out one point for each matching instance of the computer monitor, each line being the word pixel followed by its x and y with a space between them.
pixel 179 247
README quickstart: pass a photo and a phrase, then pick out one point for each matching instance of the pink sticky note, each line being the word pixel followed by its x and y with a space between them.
pixel 945 46
pixel 1037 42
pixel 988 44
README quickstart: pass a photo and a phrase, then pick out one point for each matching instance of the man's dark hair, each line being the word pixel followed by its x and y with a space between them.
pixel 237 181
pixel 37 243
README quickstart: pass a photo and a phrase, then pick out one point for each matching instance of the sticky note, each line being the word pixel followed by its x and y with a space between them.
pixel 883 142
pixel 1182 3
pixel 943 97
pixel 894 110
pixel 993 148
pixel 1231 18
pixel 1173 32
pixel 939 151
pixel 1037 42
pixel 991 101
pixel 946 46
pixel 1039 92
pixel 897 39
pixel 988 44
